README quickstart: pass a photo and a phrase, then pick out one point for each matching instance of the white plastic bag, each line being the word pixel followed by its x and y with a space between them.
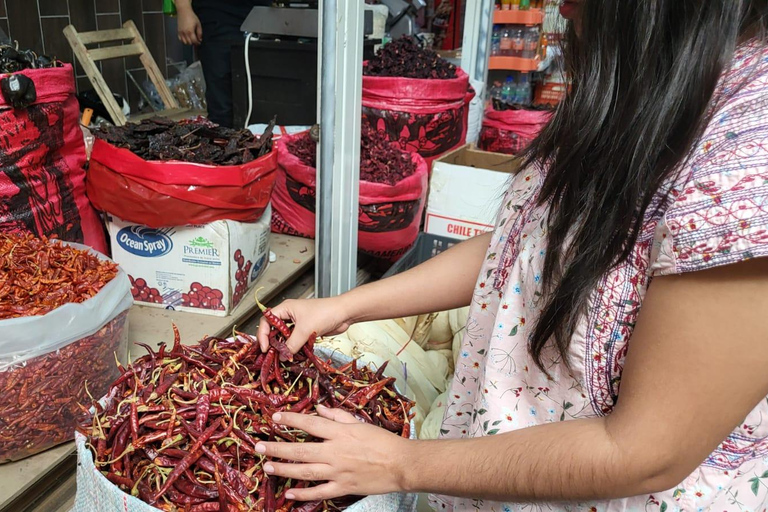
pixel 97 494
pixel 47 361
pixel 28 337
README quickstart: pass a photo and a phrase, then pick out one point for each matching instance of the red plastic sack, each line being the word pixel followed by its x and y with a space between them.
pixel 167 194
pixel 510 131
pixel 388 218
pixel 42 153
pixel 428 117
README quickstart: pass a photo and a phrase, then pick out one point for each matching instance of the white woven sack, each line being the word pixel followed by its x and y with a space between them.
pixel 97 494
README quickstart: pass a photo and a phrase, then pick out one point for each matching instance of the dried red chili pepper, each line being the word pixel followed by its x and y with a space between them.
pixel 208 423
pixel 38 275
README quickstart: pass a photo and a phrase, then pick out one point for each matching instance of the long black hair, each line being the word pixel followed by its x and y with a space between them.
pixel 645 77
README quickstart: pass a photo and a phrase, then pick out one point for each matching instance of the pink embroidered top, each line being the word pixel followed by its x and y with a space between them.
pixel 717 214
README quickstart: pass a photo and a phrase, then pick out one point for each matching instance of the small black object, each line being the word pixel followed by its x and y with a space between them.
pixel 18 90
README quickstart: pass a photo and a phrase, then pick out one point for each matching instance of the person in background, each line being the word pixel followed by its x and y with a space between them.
pixel 214 26
pixel 616 352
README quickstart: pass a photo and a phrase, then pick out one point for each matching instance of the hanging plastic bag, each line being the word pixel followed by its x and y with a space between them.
pixel 69 353
pixel 42 181
pixel 510 131
pixel 388 217
pixel 424 116
pixel 171 193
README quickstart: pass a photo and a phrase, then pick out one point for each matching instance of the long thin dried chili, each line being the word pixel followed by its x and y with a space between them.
pixel 207 422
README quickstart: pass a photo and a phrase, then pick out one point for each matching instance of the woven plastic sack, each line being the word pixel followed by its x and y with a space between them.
pixel 97 494
pixel 169 194
pixel 424 116
pixel 389 216
pixel 510 131
pixel 62 349
pixel 42 153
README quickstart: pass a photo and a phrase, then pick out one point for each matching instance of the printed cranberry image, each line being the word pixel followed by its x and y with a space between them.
pixel 203 297
pixel 143 293
pixel 241 277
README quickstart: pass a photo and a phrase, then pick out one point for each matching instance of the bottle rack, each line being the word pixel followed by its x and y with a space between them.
pixel 514 63
pixel 529 18
pixel 518 17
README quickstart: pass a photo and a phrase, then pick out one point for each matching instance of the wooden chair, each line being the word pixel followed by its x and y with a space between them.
pixel 79 42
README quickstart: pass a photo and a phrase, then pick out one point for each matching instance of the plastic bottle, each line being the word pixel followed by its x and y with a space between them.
pixel 515 5
pixel 531 44
pixel 517 43
pixel 506 5
pixel 524 90
pixel 543 46
pixel 507 92
pixel 506 42
pixel 525 5
pixel 496 41
pixel 496 92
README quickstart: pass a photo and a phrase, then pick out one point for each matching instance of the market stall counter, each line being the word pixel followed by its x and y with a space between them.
pixel 49 475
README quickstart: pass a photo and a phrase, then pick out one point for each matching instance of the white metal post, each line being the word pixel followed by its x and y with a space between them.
pixel 340 58
pixel 476 45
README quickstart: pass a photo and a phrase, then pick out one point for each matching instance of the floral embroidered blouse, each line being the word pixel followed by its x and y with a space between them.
pixel 717 214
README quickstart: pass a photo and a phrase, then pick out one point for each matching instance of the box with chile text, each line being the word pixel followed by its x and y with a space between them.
pixel 202 269
pixel 465 192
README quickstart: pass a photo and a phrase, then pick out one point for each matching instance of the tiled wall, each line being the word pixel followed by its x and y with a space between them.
pixel 38 24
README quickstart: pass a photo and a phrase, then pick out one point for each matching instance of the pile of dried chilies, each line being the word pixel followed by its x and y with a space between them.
pixel 38 275
pixel 181 425
pixel 198 141
pixel 380 160
pixel 40 399
pixel 405 58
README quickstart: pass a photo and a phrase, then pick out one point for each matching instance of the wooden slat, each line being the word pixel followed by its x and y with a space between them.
pixel 116 52
pixel 103 36
pixel 174 114
pixel 153 72
pixel 89 66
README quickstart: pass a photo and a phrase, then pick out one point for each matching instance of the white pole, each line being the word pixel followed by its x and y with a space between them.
pixel 340 55
pixel 476 44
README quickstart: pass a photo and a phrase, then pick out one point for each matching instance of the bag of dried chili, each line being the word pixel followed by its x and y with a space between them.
pixel 417 98
pixel 42 153
pixel 184 188
pixel 63 322
pixel 510 131
pixel 178 476
pixel 393 188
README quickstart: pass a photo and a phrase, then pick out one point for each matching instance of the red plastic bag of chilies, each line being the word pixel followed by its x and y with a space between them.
pixel 510 131
pixel 424 116
pixel 389 216
pixel 42 154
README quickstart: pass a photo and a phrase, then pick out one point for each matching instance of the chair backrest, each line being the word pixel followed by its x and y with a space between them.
pixel 130 43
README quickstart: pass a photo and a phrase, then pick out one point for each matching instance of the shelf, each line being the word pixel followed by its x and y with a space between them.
pixel 518 17
pixel 514 64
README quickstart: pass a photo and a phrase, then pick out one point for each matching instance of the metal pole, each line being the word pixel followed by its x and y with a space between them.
pixel 340 55
pixel 476 45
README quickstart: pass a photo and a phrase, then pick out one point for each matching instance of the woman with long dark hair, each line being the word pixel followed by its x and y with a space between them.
pixel 616 355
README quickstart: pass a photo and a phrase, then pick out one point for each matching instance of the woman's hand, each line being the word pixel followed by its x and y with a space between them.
pixel 322 317
pixel 355 458
pixel 190 30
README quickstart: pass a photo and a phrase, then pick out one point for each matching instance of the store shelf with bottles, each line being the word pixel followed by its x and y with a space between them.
pixel 513 63
pixel 516 47
pixel 518 17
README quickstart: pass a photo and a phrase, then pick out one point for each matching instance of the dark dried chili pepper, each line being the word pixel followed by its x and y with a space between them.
pixel 206 424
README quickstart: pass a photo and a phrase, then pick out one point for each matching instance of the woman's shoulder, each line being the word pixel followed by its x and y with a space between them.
pixel 718 209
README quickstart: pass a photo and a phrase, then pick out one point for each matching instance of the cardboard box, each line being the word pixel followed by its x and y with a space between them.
pixel 465 191
pixel 203 269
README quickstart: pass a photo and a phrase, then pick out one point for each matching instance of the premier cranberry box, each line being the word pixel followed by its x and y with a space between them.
pixel 204 269
pixel 465 192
